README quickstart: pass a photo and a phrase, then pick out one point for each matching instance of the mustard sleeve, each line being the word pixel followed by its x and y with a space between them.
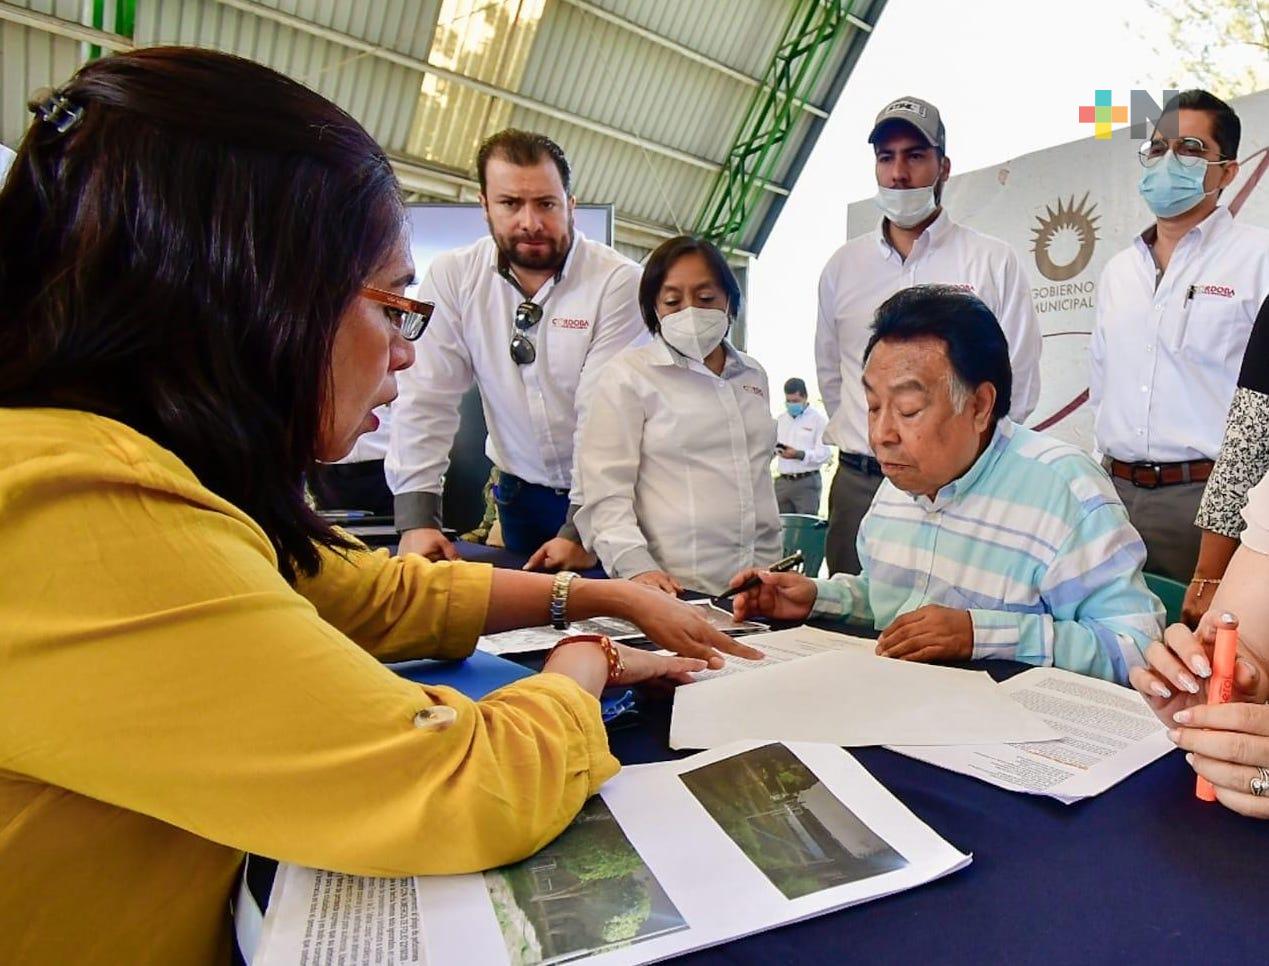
pixel 401 608
pixel 168 669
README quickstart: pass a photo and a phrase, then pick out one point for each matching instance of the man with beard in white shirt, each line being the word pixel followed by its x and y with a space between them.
pixel 916 243
pixel 530 314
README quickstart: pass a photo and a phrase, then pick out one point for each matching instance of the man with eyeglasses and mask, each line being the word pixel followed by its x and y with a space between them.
pixel 1174 313
pixel 916 243
pixel 530 314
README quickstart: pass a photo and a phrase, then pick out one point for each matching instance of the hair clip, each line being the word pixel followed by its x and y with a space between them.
pixel 55 108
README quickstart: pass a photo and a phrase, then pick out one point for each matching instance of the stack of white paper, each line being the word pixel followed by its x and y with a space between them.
pixel 525 640
pixel 1108 732
pixel 793 831
pixel 852 699
pixel 788 645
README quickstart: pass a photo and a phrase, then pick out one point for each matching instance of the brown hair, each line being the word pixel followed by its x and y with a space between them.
pixel 524 149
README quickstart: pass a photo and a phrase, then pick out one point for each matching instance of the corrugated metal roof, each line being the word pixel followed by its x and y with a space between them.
pixel 633 84
pixel 676 77
pixel 379 94
pixel 740 33
pixel 30 59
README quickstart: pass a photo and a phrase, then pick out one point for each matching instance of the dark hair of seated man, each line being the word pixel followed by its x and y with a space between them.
pixel 976 346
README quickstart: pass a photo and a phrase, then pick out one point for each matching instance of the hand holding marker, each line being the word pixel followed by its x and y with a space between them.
pixel 1221 685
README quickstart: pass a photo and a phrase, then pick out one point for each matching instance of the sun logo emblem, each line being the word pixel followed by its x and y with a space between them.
pixel 1065 240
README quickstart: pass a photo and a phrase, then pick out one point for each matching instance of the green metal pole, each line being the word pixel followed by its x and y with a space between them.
pixel 810 36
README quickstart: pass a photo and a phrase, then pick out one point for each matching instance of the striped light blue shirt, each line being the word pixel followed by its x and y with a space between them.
pixel 1032 541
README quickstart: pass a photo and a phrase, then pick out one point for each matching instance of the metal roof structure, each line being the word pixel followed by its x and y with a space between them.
pixel 650 98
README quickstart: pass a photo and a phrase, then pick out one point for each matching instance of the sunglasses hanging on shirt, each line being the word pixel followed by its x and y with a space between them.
pixel 528 314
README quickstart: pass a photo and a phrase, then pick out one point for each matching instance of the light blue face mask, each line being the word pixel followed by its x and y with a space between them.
pixel 1172 189
pixel 795 409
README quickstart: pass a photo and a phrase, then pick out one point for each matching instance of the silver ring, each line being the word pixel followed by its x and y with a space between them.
pixel 1260 784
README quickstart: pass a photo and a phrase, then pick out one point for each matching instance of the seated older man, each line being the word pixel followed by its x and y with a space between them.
pixel 986 539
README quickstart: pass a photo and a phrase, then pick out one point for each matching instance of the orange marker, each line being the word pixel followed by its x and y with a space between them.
pixel 1221 686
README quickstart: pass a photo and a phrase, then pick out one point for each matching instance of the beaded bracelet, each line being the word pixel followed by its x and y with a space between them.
pixel 616 666
pixel 1203 583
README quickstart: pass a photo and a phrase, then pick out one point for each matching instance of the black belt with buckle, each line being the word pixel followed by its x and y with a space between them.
pixel 865 464
pixel 512 478
pixel 799 476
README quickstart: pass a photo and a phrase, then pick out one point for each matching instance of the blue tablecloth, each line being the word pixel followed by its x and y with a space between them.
pixel 502 557
pixel 1143 873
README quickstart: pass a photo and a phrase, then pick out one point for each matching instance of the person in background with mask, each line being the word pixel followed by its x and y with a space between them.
pixel 675 450
pixel 801 450
pixel 916 243
pixel 1174 313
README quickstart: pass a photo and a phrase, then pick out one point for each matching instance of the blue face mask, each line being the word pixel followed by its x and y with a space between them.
pixel 1170 188
pixel 795 409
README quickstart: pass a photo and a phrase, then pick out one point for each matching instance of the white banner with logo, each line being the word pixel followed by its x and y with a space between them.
pixel 1066 210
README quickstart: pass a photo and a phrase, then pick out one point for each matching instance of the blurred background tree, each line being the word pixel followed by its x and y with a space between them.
pixel 1220 45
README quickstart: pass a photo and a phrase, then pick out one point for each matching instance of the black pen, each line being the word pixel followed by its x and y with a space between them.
pixel 779 567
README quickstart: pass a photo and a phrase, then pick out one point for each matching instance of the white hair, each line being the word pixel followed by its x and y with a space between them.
pixel 958 391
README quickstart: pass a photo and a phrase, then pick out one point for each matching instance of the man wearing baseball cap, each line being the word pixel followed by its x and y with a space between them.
pixel 916 243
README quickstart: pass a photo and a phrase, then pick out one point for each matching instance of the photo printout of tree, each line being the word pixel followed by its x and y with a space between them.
pixel 787 823
pixel 681 855
pixel 586 892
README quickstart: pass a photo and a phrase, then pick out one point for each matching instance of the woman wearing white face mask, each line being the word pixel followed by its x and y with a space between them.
pixel 675 449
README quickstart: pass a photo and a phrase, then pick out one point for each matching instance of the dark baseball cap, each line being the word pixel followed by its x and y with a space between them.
pixel 917 113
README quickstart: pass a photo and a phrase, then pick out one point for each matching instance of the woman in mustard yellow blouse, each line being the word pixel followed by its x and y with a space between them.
pixel 201 278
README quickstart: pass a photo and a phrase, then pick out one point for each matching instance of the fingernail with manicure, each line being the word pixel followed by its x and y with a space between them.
pixel 1182 717
pixel 1200 665
pixel 1174 736
pixel 1160 690
pixel 1189 758
pixel 1188 683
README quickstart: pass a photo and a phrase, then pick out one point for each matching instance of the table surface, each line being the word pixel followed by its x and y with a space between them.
pixel 502 557
pixel 1142 872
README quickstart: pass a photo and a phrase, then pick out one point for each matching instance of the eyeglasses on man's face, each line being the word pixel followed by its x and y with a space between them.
pixel 1190 151
pixel 528 314
pixel 410 316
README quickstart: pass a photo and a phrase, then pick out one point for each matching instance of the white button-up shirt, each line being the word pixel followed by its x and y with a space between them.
pixel 6 162
pixel 1163 362
pixel 674 465
pixel 867 270
pixel 591 312
pixel 806 433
